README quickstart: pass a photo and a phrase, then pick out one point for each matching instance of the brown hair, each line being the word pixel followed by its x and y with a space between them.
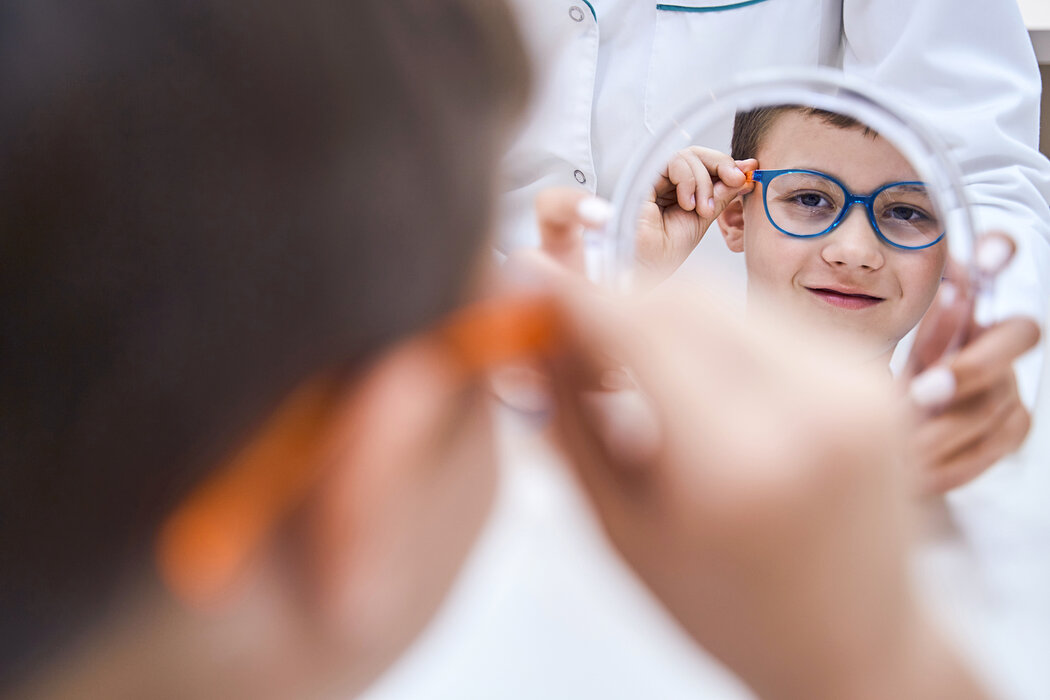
pixel 751 127
pixel 202 204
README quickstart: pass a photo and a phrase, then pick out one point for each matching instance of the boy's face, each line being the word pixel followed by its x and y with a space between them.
pixel 849 277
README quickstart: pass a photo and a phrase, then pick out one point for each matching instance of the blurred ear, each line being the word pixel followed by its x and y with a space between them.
pixel 731 223
pixel 387 531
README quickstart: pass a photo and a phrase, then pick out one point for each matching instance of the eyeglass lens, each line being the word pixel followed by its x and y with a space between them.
pixel 808 204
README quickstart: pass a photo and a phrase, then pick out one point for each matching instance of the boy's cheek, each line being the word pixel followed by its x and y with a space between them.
pixel 921 278
pixel 772 261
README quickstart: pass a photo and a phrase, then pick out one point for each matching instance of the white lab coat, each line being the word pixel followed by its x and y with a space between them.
pixel 607 77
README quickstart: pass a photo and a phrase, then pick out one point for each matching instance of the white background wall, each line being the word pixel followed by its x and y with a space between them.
pixel 1037 19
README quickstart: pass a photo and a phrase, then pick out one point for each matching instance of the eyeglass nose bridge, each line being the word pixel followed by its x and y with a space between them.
pixel 866 201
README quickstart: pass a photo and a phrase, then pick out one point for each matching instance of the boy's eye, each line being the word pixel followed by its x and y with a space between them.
pixel 810 200
pixel 903 212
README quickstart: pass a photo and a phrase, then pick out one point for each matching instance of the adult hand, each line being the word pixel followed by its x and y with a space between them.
pixel 968 412
pixel 773 515
pixel 562 215
pixel 695 188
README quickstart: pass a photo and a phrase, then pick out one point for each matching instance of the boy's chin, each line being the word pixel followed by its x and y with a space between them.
pixel 856 342
pixel 863 346
pixel 853 342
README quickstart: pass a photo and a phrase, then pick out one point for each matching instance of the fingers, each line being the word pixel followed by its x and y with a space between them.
pixel 948 317
pixel 987 359
pixel 734 173
pixel 958 275
pixel 562 213
pixel 990 356
pixel 683 349
pixel 995 250
pixel 972 460
pixel 613 480
pixel 986 354
pixel 706 180
pixel 983 418
pixel 692 182
pixel 558 214
pixel 727 189
pixel 938 438
pixel 597 328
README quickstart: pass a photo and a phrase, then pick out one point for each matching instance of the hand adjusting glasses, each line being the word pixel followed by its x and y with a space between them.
pixel 808 203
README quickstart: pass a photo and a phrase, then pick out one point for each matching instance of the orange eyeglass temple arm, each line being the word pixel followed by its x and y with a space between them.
pixel 211 535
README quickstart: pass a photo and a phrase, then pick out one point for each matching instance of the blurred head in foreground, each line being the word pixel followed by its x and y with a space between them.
pixel 234 460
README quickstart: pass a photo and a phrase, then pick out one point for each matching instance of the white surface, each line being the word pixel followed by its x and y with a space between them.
pixel 1036 14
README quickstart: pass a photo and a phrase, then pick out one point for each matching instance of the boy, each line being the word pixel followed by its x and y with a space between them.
pixel 801 249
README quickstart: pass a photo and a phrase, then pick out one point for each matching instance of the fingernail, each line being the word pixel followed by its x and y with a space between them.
pixel 594 211
pixel 992 254
pixel 933 387
pixel 711 205
pixel 692 201
pixel 949 293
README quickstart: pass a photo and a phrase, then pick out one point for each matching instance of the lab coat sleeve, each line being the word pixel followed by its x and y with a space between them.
pixel 969 69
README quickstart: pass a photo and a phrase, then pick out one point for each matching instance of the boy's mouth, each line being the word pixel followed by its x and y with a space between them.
pixel 845 298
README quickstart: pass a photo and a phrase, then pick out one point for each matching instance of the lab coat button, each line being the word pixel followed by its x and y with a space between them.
pixel 576 13
pixel 580 177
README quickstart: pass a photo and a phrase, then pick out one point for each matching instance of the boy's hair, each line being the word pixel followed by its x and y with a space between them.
pixel 203 204
pixel 750 127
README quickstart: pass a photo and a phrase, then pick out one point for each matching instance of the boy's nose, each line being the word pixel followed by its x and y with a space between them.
pixel 854 243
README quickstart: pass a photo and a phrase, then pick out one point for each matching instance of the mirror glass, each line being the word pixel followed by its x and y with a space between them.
pixel 803 192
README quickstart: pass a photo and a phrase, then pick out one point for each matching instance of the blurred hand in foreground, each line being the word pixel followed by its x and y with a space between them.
pixel 772 515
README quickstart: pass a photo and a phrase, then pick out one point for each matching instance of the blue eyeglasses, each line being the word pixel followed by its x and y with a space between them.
pixel 808 203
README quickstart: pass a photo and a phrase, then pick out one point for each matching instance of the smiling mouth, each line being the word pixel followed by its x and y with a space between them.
pixel 844 300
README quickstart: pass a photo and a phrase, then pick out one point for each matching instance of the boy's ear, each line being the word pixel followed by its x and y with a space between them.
pixel 389 528
pixel 731 223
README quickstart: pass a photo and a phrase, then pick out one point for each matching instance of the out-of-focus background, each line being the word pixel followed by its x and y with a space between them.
pixel 1037 19
pixel 545 610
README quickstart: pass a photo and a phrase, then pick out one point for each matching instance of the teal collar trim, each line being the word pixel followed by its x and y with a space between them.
pixel 591 8
pixel 719 8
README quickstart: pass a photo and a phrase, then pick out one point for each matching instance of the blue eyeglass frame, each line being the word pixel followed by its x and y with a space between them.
pixel 868 201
